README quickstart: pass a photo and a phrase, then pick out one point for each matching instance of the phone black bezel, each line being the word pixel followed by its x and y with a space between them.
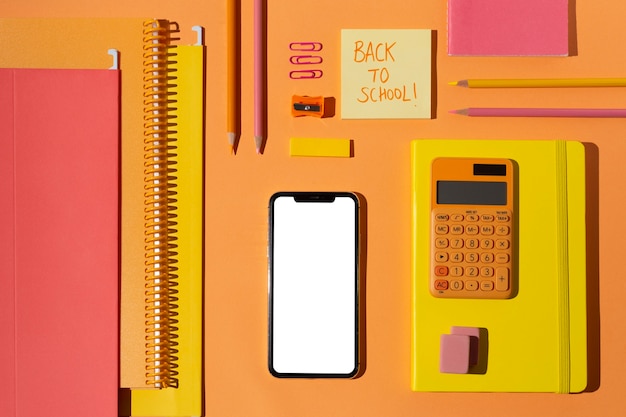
pixel 313 197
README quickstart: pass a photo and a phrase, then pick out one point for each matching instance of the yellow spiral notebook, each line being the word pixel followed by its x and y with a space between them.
pixel 173 211
pixel 534 341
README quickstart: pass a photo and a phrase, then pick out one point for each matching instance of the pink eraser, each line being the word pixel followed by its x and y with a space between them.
pixel 454 354
pixel 474 334
pixel 467 331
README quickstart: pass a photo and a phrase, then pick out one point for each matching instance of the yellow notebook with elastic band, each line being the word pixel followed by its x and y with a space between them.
pixel 535 340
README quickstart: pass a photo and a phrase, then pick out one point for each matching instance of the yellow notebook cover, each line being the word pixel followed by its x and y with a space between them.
pixel 535 341
pixel 182 395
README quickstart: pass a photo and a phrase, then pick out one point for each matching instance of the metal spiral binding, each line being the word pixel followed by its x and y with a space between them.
pixel 159 210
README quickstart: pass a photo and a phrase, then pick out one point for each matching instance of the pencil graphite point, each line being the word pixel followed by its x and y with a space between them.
pixel 462 112
pixel 453 83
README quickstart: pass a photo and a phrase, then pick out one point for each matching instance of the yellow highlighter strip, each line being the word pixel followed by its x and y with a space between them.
pixel 317 147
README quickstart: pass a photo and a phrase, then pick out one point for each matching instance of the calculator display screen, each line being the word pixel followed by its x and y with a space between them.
pixel 471 193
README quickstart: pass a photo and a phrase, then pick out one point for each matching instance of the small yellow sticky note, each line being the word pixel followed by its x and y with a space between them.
pixel 386 73
pixel 340 148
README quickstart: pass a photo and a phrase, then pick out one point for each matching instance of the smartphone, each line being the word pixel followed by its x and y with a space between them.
pixel 472 228
pixel 314 284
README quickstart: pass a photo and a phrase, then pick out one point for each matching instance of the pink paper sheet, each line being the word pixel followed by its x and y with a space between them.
pixel 508 27
pixel 59 183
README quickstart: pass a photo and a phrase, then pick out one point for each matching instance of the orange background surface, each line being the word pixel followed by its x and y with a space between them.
pixel 238 188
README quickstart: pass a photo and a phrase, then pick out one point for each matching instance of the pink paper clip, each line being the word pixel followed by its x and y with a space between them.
pixel 306 74
pixel 305 59
pixel 305 46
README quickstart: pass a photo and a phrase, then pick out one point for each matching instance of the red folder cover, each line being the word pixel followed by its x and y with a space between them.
pixel 59 182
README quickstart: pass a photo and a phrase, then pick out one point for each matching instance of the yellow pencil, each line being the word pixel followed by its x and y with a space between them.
pixel 541 83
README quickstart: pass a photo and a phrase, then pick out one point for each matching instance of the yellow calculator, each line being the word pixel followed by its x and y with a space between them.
pixel 472 228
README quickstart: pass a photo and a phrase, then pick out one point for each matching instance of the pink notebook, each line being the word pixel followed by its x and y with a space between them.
pixel 59 140
pixel 508 27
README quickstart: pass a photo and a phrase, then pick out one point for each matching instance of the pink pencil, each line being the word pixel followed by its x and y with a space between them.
pixel 259 67
pixel 531 112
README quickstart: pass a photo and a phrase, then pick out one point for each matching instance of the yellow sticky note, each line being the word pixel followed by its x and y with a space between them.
pixel 320 147
pixel 386 73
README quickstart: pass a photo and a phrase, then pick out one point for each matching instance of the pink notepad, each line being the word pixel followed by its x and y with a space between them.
pixel 59 233
pixel 508 27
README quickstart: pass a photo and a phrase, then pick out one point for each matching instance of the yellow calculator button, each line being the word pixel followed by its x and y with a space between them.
pixel 486 243
pixel 471 229
pixel 441 229
pixel 486 257
pixel 441 256
pixel 471 271
pixel 471 285
pixel 486 285
pixel 502 244
pixel 502 258
pixel 456 271
pixel 457 217
pixel 456 257
pixel 442 217
pixel 487 217
pixel 441 243
pixel 502 230
pixel 471 243
pixel 456 229
pixel 472 217
pixel 502 279
pixel 456 243
pixel 486 229
pixel 456 285
pixel 472 257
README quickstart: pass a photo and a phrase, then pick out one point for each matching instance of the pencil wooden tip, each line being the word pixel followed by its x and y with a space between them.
pixel 462 112
pixel 232 137
pixel 258 141
pixel 461 83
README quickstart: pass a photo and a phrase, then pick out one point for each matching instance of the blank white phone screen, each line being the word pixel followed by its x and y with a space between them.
pixel 314 292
